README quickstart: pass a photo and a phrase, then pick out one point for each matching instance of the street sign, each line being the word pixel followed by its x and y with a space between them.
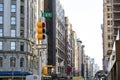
pixel 42 46
pixel 46 14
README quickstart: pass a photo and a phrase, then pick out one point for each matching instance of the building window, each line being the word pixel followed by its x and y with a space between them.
pixel 13 8
pixel 108 22
pixel 1 7
pixel 22 62
pixel 22 33
pixel 12 62
pixel 1 32
pixel 108 37
pixel 109 15
pixel 1 61
pixel 22 0
pixel 108 29
pixel 12 45
pixel 109 8
pixel 12 33
pixel 109 44
pixel 1 45
pixel 13 20
pixel 22 22
pixel 21 46
pixel 1 19
pixel 22 9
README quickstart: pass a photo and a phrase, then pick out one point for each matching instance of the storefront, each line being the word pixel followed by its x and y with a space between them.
pixel 10 75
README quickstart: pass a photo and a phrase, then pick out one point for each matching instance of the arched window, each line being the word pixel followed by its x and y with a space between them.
pixel 12 62
pixel 21 62
pixel 1 61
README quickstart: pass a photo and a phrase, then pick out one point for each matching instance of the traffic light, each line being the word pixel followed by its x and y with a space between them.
pixel 51 69
pixel 48 70
pixel 44 70
pixel 40 30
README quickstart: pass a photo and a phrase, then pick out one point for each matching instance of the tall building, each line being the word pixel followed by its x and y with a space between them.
pixel 79 42
pixel 17 37
pixel 55 27
pixel 60 38
pixel 51 30
pixel 70 42
pixel 76 55
pixel 83 61
pixel 107 32
pixel 114 63
pixel 90 68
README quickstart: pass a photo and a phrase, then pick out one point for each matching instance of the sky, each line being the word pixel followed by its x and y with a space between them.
pixel 86 17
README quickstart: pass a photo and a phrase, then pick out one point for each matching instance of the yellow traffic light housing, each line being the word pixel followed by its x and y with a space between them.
pixel 40 30
pixel 48 70
pixel 44 70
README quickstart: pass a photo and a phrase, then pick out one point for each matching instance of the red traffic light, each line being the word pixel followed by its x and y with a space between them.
pixel 40 24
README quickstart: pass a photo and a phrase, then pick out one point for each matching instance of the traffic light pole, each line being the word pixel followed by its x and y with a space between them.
pixel 40 62
pixel 40 49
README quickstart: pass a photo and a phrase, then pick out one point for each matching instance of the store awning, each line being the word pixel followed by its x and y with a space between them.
pixel 14 73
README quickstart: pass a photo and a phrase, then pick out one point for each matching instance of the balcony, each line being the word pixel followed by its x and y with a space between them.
pixel 116 23
pixel 116 8
pixel 116 16
pixel 116 1
pixel 116 27
pixel 115 33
